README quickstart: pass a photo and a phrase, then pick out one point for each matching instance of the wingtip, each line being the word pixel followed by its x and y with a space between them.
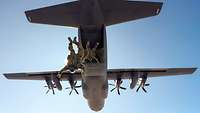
pixel 27 16
pixel 12 75
pixel 5 75
pixel 192 70
pixel 158 10
pixel 195 69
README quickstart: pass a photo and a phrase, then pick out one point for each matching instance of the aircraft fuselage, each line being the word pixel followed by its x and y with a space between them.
pixel 94 79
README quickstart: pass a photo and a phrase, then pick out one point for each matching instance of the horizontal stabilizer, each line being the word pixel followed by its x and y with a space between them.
pixel 113 11
pixel 66 14
pixel 123 11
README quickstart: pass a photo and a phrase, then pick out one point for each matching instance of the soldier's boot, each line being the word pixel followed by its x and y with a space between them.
pixel 59 75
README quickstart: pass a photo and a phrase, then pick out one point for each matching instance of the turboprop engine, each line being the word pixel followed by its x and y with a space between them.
pixel 134 81
pixel 53 82
pixel 56 81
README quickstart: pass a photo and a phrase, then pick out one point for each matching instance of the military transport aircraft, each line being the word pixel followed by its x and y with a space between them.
pixel 91 18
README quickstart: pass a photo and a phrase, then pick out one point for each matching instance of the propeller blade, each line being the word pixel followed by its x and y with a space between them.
pixel 138 89
pixel 77 86
pixel 112 89
pixel 122 88
pixel 117 86
pixel 68 88
pixel 144 89
pixel 53 91
pixel 147 84
pixel 70 92
pixel 111 84
pixel 118 91
pixel 47 91
pixel 76 91
pixel 49 88
pixel 75 83
pixel 73 87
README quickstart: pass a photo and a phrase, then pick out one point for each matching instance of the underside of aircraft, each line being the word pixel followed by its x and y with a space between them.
pixel 91 18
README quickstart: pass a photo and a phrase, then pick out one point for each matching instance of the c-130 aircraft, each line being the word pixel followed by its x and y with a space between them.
pixel 91 18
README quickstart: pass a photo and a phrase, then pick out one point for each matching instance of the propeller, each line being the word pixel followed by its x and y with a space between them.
pixel 50 85
pixel 117 86
pixel 73 87
pixel 143 87
pixel 143 83
pixel 50 89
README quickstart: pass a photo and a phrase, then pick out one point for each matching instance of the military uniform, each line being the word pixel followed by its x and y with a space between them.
pixel 71 59
pixel 91 53
pixel 81 53
pixel 81 50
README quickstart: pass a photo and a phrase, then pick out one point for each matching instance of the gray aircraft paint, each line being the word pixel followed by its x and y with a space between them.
pixel 91 18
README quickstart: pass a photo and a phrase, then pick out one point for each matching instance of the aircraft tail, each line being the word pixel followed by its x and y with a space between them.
pixel 114 12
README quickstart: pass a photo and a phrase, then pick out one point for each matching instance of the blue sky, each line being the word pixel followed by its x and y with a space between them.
pixel 168 40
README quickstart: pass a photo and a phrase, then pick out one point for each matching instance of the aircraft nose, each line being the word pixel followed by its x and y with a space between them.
pixel 96 105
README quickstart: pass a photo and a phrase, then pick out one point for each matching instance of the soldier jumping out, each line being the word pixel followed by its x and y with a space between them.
pixel 86 52
pixel 71 58
pixel 80 54
pixel 75 61
pixel 93 53
pixel 90 53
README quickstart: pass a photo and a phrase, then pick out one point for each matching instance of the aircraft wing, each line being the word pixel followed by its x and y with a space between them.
pixel 123 10
pixel 41 75
pixel 66 14
pixel 113 74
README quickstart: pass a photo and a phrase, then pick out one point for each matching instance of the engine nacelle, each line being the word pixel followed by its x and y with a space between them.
pixel 49 82
pixel 133 83
pixel 56 81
